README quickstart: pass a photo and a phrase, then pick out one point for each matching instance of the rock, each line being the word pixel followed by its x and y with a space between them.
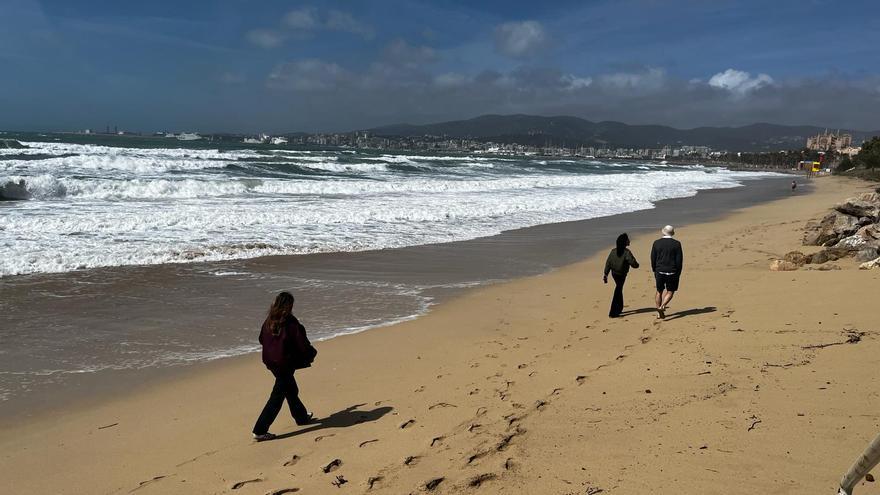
pixel 830 254
pixel 831 229
pixel 865 221
pixel 828 267
pixel 851 242
pixel 782 266
pixel 869 232
pixel 14 191
pixel 870 265
pixel 866 205
pixel 867 254
pixel 859 209
pixel 796 257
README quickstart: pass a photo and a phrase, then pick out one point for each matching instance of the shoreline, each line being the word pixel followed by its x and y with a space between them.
pixel 526 386
pixel 430 274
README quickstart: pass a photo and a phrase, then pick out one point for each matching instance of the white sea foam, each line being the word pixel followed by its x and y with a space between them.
pixel 109 206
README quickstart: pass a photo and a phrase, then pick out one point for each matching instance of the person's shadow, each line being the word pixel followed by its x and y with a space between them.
pixel 349 416
pixel 691 312
pixel 639 311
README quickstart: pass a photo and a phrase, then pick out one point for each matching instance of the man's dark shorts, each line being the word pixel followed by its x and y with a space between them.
pixel 667 282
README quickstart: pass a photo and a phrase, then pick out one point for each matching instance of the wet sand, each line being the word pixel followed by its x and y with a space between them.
pixel 85 336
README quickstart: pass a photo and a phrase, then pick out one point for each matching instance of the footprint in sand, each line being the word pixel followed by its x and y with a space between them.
pixel 407 424
pixel 283 491
pixel 364 444
pixel 437 440
pixel 372 481
pixel 319 438
pixel 478 480
pixel 332 466
pixel 434 483
pixel 293 460
pixel 411 460
pixel 240 484
pixel 580 379
pixel 441 404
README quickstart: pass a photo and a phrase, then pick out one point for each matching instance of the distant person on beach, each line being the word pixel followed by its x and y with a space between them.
pixel 793 185
pixel 286 348
pixel 666 262
pixel 620 259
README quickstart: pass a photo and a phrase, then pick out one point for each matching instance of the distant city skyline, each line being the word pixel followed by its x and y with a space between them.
pixel 230 66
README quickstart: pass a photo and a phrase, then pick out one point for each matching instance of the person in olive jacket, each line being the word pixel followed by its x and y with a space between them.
pixel 286 348
pixel 619 261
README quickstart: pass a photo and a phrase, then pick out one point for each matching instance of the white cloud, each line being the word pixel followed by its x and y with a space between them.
pixel 651 79
pixel 265 38
pixel 305 23
pixel 739 82
pixel 308 75
pixel 304 19
pixel 573 83
pixel 338 20
pixel 520 39
pixel 401 52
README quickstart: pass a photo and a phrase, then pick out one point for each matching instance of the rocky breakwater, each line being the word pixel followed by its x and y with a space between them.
pixel 850 230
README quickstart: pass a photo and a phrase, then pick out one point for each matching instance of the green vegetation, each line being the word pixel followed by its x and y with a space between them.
pixel 869 156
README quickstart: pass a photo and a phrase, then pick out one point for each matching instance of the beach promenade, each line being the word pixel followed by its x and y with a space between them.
pixel 527 387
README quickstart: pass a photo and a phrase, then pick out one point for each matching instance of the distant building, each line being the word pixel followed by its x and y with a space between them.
pixel 850 150
pixel 828 141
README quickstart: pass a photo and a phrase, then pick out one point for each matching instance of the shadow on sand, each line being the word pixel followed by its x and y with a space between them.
pixel 349 416
pixel 639 311
pixel 691 312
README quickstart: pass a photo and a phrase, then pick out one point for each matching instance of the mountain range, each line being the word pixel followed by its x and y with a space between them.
pixel 574 131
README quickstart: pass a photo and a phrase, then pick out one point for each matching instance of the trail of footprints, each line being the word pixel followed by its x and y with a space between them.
pixel 489 438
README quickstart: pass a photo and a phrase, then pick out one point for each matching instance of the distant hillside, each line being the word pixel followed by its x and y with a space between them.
pixel 574 131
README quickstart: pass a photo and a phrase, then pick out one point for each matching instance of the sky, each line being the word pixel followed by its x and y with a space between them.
pixel 286 66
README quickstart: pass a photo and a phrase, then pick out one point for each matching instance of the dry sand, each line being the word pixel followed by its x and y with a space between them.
pixel 527 387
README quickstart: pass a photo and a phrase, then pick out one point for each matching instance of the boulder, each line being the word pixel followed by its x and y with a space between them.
pixel 811 233
pixel 833 227
pixel 830 254
pixel 796 257
pixel 870 265
pixel 866 254
pixel 782 266
pixel 851 242
pixel 865 205
pixel 865 221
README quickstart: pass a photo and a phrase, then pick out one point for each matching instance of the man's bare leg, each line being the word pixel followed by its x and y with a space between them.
pixel 667 296
pixel 658 300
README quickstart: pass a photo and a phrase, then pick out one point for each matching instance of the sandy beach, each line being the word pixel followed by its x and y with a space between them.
pixel 526 387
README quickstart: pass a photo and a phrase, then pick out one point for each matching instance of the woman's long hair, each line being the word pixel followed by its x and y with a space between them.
pixel 622 243
pixel 279 312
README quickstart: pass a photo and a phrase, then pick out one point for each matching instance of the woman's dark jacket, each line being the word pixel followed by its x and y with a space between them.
pixel 619 265
pixel 289 349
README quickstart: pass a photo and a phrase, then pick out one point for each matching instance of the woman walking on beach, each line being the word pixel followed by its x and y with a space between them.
pixel 620 259
pixel 286 348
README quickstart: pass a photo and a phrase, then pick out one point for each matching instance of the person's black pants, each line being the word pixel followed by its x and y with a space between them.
pixel 617 300
pixel 285 388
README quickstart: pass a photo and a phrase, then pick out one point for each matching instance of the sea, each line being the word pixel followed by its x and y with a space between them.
pixel 107 243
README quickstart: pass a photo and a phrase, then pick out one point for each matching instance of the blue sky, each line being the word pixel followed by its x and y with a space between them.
pixel 279 66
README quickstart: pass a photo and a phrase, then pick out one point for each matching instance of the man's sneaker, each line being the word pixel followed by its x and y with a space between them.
pixel 264 437
pixel 309 419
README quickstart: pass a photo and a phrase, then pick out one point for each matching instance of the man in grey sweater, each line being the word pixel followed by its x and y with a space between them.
pixel 666 263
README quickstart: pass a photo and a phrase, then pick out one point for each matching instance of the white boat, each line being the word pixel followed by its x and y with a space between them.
pixel 279 140
pixel 188 136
